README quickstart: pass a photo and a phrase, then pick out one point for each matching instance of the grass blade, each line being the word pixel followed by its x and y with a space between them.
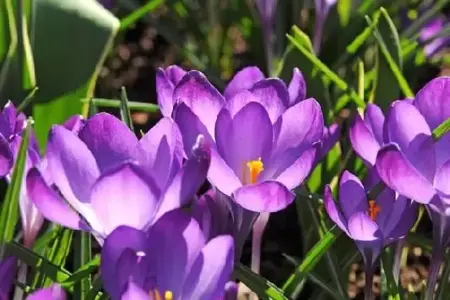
pixel 387 264
pixel 132 18
pixel 82 257
pixel 441 130
pixel 140 106
pixel 125 110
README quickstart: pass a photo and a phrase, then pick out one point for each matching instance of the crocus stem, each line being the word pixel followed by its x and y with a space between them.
pixel 268 47
pixel 318 33
pixel 397 259
pixel 22 278
pixel 258 231
pixel 437 259
pixel 368 291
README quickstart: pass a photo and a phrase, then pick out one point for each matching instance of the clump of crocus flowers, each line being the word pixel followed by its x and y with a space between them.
pixel 254 144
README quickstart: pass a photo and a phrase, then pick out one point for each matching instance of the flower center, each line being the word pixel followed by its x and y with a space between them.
pixel 168 295
pixel 252 170
pixel 374 209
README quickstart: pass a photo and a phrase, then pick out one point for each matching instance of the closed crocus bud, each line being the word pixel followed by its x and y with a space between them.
pixel 322 10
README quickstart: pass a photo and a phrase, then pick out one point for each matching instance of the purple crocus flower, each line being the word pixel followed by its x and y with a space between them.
pixel 111 178
pixel 322 10
pixel 8 268
pixel 429 31
pixel 53 292
pixel 261 147
pixel 173 260
pixel 372 224
pixel 166 80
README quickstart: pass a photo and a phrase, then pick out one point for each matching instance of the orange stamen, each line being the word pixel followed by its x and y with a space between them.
pixel 374 209
pixel 255 167
pixel 168 295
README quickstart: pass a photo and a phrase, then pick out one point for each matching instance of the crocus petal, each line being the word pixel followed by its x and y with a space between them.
pixel 8 122
pixel 175 73
pixel 268 196
pixel 211 270
pixel 408 128
pixel 362 228
pixel 54 292
pixel 296 88
pixel 188 180
pixel 267 10
pixel 73 167
pixel 49 203
pixel 8 270
pixel 442 180
pixel 238 101
pixel 300 126
pixel 190 126
pixel 398 173
pixel 273 95
pixel 161 151
pixel 374 120
pixel 122 238
pixel 248 138
pixel 164 89
pixel 231 290
pixel 124 196
pixel 352 195
pixel 75 123
pixel 220 175
pixel 363 141
pixel 179 242
pixel 6 157
pixel 332 210
pixel 201 97
pixel 109 139
pixel 330 137
pixel 243 80
pixel 134 292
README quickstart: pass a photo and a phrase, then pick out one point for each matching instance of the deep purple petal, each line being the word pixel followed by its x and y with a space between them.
pixel 231 290
pixel 330 137
pixel 75 123
pixel 267 196
pixel 273 95
pixel 398 173
pixel 267 10
pixel 300 126
pixel 363 141
pixel 190 126
pixel 188 180
pixel 211 270
pixel 161 151
pixel 175 73
pixel 408 128
pixel 243 80
pixel 179 242
pixel 49 203
pixel 238 101
pixel 201 97
pixel 374 120
pixel 123 196
pixel 220 175
pixel 362 228
pixel 6 157
pixel 54 292
pixel 297 87
pixel 109 139
pixel 73 167
pixel 332 210
pixel 122 238
pixel 164 90
pixel 442 180
pixel 352 195
pixel 8 270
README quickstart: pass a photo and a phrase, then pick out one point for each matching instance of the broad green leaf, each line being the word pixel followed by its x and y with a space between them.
pixel 310 261
pixel 259 285
pixel 137 14
pixel 441 130
pixel 132 105
pixel 344 8
pixel 9 214
pixel 125 110
pixel 82 257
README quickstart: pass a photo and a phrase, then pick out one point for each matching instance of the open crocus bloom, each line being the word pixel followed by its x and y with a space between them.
pixel 372 224
pixel 53 292
pixel 401 164
pixel 108 176
pixel 173 260
pixel 261 147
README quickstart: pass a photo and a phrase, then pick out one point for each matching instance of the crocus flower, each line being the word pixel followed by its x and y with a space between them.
pixel 8 268
pixel 53 292
pixel 322 10
pixel 173 260
pixel 432 28
pixel 166 80
pixel 261 149
pixel 372 224
pixel 110 178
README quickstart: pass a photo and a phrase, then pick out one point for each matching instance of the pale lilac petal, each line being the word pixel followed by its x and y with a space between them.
pixel 273 95
pixel 211 270
pixel 248 138
pixel 332 210
pixel 300 126
pixel 363 141
pixel 374 120
pixel 408 128
pixel 397 173
pixel 164 90
pixel 188 180
pixel 73 167
pixel 124 196
pixel 220 175
pixel 49 203
pixel 201 97
pixel 135 292
pixel 352 195
pixel 54 292
pixel 109 139
pixel 238 101
pixel 297 87
pixel 362 228
pixel 243 80
pixel 6 157
pixel 267 196
pixel 190 126
pixel 161 151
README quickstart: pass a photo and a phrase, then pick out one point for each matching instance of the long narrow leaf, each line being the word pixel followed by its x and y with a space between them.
pixel 125 110
pixel 140 106
pixel 82 256
pixel 387 259
pixel 132 18
pixel 441 130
